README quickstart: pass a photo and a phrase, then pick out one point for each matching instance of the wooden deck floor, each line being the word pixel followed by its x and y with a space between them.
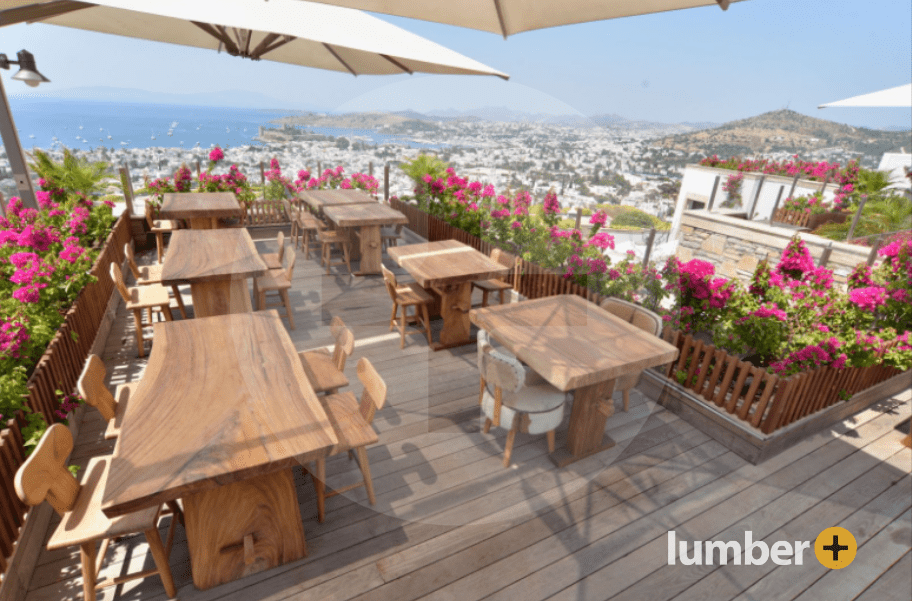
pixel 451 523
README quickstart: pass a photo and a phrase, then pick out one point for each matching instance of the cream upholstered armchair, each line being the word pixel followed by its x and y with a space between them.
pixel 515 397
pixel 642 318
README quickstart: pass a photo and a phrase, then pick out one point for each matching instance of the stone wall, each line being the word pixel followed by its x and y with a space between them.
pixel 735 246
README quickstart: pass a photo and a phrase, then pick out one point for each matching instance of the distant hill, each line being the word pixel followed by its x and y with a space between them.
pixel 786 131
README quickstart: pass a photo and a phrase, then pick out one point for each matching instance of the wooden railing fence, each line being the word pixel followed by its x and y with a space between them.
pixel 791 217
pixel 58 369
pixel 264 212
pixel 758 397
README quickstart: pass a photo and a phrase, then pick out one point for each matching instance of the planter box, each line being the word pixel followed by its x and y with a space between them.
pixel 757 397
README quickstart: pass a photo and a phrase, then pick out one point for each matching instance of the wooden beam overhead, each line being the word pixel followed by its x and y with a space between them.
pixel 219 35
pixel 38 12
pixel 339 58
pixel 398 64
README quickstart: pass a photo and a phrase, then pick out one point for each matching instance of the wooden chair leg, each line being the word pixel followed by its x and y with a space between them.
pixel 180 301
pixel 327 256
pixel 149 315
pixel 287 302
pixel 161 560
pixel 484 297
pixel 402 326
pixel 346 252
pixel 261 300
pixel 501 294
pixel 361 453
pixel 393 316
pixel 159 245
pixel 487 425
pixel 427 322
pixel 481 386
pixel 88 553
pixel 552 440
pixel 511 436
pixel 626 400
pixel 166 311
pixel 137 317
pixel 176 510
pixel 319 478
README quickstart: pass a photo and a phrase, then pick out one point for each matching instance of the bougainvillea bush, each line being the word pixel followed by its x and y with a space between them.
pixel 45 258
pixel 505 219
pixel 792 316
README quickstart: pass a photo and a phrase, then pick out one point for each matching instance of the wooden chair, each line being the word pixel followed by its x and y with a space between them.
pixel 642 318
pixel 276 280
pixel 92 388
pixel 325 370
pixel 389 236
pixel 304 228
pixel 44 476
pixel 138 298
pixel 411 295
pixel 159 227
pixel 496 285
pixel 274 260
pixel 352 421
pixel 330 239
pixel 147 275
pixel 520 397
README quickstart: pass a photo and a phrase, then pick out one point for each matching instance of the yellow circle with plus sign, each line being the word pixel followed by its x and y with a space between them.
pixel 835 548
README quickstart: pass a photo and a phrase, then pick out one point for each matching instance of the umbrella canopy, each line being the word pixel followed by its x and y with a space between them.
pixel 507 17
pixel 285 31
pixel 900 96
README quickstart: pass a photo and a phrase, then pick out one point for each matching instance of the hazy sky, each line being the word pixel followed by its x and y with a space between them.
pixel 692 65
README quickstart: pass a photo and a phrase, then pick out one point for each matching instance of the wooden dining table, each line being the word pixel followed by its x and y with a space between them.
pixel 222 414
pixel 201 209
pixel 448 268
pixel 575 345
pixel 216 265
pixel 318 200
pixel 367 219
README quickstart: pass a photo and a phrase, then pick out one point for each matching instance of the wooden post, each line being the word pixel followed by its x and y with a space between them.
pixel 649 242
pixel 579 217
pixel 712 195
pixel 794 185
pixel 127 189
pixel 370 168
pixel 855 219
pixel 319 169
pixel 198 168
pixel 872 256
pixel 386 182
pixel 2 205
pixel 776 206
pixel 262 173
pixel 826 181
pixel 750 215
pixel 825 255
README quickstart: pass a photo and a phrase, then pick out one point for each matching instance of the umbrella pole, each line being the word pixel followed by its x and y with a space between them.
pixel 14 152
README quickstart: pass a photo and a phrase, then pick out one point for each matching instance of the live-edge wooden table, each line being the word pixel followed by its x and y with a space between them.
pixel 575 345
pixel 222 413
pixel 216 264
pixel 368 217
pixel 201 209
pixel 448 268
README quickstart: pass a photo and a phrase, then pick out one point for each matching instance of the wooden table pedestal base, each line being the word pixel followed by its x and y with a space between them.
pixel 368 251
pixel 455 304
pixel 204 223
pixel 592 406
pixel 243 528
pixel 220 297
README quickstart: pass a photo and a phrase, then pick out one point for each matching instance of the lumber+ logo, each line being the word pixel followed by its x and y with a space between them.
pixel 835 548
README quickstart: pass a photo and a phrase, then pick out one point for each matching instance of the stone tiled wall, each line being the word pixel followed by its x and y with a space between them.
pixel 735 246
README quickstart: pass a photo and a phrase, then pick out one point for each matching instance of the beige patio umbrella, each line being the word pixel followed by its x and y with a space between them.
pixel 285 31
pixel 507 17
pixel 900 96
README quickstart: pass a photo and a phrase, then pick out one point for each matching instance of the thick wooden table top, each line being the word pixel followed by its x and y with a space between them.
pixel 210 255
pixel 572 342
pixel 445 262
pixel 320 199
pixel 222 399
pixel 355 215
pixel 188 205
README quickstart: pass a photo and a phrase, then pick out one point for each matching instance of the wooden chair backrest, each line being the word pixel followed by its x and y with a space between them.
pixel 117 276
pixel 149 216
pixel 374 396
pixel 335 326
pixel 92 388
pixel 641 317
pixel 389 279
pixel 620 308
pixel 647 321
pixel 290 212
pixel 289 269
pixel 44 475
pixel 502 371
pixel 281 240
pixel 345 346
pixel 131 259
pixel 505 259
